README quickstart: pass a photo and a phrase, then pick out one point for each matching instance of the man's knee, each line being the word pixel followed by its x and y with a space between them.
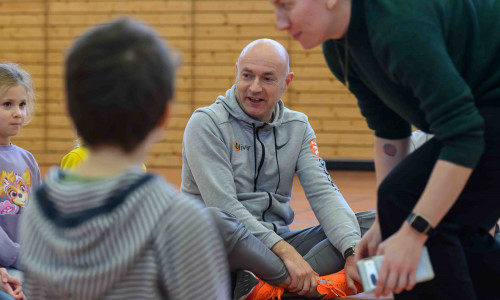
pixel 365 220
pixel 229 227
pixel 217 215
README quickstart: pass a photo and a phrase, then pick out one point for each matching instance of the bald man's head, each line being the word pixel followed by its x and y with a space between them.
pixel 262 75
pixel 271 47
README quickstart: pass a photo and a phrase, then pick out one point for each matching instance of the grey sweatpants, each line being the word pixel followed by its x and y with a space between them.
pixel 245 251
pixel 317 250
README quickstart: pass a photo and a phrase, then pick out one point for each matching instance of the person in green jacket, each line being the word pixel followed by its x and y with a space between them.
pixel 434 65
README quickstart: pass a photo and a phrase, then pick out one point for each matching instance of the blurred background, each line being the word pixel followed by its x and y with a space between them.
pixel 210 35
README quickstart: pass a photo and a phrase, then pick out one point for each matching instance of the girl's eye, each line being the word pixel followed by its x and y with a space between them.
pixel 23 104
pixel 7 104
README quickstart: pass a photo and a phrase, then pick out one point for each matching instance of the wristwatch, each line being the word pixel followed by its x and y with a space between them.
pixel 419 223
pixel 350 251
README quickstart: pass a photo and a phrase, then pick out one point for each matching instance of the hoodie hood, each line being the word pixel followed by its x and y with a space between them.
pixel 231 104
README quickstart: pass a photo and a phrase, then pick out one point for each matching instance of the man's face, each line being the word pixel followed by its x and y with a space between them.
pixel 310 22
pixel 261 79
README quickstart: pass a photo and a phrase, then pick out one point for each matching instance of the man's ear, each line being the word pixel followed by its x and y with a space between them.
pixel 289 79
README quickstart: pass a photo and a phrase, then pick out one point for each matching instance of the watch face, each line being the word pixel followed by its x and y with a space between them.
pixel 419 223
pixel 349 251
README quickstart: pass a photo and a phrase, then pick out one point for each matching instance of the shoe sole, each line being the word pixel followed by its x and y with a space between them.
pixel 245 284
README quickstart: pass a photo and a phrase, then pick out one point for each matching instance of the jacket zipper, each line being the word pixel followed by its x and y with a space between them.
pixel 268 208
pixel 256 134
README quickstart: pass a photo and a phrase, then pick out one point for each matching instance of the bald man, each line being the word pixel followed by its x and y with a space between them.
pixel 240 155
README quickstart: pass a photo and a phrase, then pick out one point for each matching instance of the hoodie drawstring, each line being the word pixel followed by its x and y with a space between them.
pixel 255 160
pixel 277 162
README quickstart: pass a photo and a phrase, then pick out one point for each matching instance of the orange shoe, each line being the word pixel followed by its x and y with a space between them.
pixel 335 285
pixel 249 287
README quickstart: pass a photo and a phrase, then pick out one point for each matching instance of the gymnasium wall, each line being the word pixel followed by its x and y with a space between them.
pixel 209 33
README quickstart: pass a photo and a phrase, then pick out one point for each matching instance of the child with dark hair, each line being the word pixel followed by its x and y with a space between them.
pixel 106 230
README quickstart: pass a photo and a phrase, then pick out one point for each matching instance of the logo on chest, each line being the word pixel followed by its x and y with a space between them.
pixel 241 147
pixel 15 187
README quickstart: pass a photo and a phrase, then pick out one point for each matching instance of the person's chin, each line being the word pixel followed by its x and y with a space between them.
pixel 254 114
pixel 309 44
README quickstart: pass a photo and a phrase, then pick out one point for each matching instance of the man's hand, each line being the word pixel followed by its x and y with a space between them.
pixel 303 279
pixel 11 285
pixel 351 273
pixel 402 253
pixel 368 244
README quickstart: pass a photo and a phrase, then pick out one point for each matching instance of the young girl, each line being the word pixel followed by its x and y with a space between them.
pixel 18 168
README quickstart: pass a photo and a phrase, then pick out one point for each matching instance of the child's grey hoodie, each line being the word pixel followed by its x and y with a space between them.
pixel 246 167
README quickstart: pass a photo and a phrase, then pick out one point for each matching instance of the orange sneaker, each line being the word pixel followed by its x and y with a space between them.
pixel 335 285
pixel 249 287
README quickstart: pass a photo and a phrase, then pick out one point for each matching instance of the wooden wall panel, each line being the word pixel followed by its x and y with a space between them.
pixel 209 35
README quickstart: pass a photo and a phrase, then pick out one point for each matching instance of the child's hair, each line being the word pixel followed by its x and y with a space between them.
pixel 10 76
pixel 119 78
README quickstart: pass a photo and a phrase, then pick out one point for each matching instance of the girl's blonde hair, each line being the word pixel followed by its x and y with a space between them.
pixel 10 76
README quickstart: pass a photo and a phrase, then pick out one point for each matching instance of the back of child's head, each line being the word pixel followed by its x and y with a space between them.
pixel 119 78
pixel 11 76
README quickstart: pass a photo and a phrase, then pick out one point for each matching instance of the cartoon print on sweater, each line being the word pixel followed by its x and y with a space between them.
pixel 16 188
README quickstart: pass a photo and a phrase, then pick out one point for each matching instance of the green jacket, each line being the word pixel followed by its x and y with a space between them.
pixel 432 64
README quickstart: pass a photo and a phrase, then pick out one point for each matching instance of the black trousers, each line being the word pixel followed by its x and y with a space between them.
pixel 465 257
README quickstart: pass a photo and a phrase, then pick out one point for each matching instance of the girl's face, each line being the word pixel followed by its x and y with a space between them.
pixel 312 22
pixel 12 112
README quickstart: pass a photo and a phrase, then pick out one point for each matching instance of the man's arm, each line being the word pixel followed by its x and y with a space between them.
pixel 333 213
pixel 303 279
pixel 402 250
pixel 208 158
pixel 388 154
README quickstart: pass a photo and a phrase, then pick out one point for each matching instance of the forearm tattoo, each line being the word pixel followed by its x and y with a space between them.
pixel 390 150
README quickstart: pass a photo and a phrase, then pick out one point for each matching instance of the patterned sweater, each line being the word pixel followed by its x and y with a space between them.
pixel 131 236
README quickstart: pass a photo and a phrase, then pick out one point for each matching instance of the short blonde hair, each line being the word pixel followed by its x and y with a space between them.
pixel 11 75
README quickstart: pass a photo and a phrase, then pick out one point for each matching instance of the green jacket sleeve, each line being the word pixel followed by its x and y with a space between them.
pixel 416 57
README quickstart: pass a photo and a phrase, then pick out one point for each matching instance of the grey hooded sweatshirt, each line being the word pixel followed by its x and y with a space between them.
pixel 129 236
pixel 246 167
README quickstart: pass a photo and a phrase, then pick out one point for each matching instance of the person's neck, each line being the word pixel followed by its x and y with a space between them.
pixel 4 141
pixel 340 20
pixel 105 161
